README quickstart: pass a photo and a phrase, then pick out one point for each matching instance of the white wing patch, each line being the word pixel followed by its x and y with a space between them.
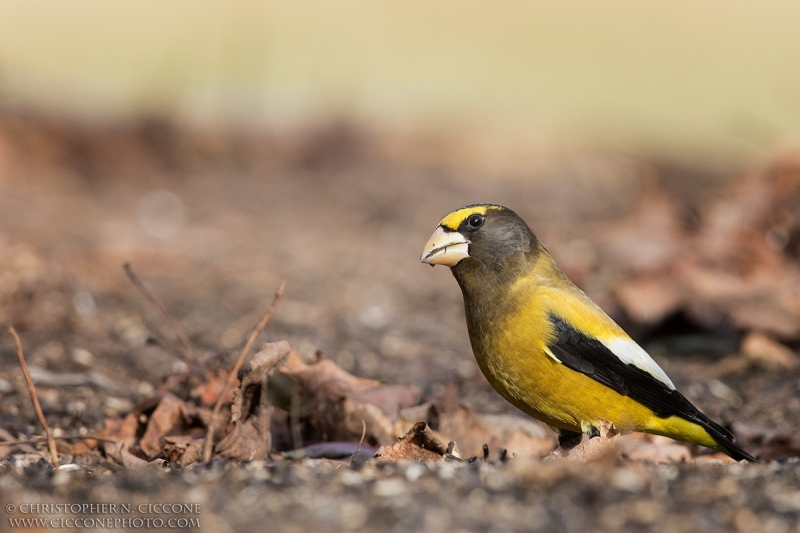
pixel 631 353
pixel 551 355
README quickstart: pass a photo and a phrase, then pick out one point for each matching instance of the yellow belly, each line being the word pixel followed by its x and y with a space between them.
pixel 563 398
pixel 557 395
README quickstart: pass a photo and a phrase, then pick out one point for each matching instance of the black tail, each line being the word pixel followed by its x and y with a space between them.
pixel 589 356
pixel 725 439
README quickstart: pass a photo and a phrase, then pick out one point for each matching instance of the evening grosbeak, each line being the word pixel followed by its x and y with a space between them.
pixel 550 350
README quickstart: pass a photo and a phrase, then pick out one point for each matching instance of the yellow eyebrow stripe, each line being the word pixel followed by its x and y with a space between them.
pixel 454 219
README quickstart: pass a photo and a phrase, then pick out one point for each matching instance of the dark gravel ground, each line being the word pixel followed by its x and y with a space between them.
pixel 342 215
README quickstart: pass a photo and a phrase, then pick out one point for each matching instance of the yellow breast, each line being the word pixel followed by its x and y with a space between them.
pixel 512 354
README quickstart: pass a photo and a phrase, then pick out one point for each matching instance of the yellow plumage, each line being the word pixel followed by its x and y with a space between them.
pixel 513 292
pixel 568 398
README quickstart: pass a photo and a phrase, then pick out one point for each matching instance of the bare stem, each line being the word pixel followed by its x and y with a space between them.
pixel 189 351
pixel 266 414
pixel 36 440
pixel 51 443
pixel 208 442
pixel 361 441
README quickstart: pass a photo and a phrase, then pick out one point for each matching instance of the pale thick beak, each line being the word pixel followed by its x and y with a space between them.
pixel 445 248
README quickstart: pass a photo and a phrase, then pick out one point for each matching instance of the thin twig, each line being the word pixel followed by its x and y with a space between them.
pixel 51 444
pixel 189 350
pixel 360 442
pixel 208 442
pixel 266 414
pixel 36 440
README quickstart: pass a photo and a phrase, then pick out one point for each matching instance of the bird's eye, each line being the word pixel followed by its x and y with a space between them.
pixel 475 221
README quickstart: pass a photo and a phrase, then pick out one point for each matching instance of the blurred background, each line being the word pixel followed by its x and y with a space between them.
pixel 715 82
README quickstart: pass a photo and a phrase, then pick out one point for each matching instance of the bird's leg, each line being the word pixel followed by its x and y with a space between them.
pixel 567 440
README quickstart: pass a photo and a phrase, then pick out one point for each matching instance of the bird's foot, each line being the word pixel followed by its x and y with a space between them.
pixel 606 446
pixel 568 439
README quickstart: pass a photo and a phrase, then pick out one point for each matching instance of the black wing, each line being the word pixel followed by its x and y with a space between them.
pixel 592 358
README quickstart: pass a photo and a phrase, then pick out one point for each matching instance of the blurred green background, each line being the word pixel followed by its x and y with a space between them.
pixel 717 81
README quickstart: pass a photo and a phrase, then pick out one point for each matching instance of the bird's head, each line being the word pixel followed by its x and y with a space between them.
pixel 481 235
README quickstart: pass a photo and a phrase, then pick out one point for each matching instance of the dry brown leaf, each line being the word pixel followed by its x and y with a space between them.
pixel 76 448
pixel 426 412
pixel 263 363
pixel 606 447
pixel 379 428
pixel 122 433
pixel 247 442
pixel 760 349
pixel 325 379
pixel 390 398
pixel 268 357
pixel 169 417
pixel 182 449
pixel 208 392
pixel 248 436
pixel 470 431
pixel 341 401
pixel 521 440
pixel 418 444
pixel 121 429
pixel 122 454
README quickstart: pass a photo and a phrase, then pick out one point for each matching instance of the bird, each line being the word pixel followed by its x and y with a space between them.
pixel 547 348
